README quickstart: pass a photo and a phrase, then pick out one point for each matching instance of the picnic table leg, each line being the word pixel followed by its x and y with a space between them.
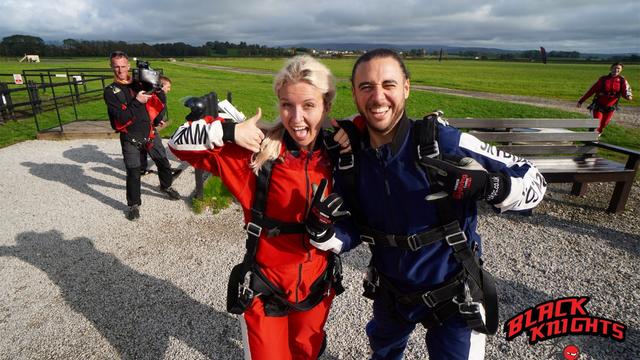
pixel 620 196
pixel 579 188
pixel 199 184
pixel 623 188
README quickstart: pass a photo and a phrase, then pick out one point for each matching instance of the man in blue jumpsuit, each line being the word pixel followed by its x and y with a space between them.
pixel 425 268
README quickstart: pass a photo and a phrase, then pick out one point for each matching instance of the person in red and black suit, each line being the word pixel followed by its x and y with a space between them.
pixel 131 110
pixel 608 90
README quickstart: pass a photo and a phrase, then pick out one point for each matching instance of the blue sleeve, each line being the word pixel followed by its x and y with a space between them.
pixel 527 184
pixel 346 230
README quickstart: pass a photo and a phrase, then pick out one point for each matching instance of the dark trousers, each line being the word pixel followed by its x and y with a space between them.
pixel 132 153
pixel 389 332
pixel 144 164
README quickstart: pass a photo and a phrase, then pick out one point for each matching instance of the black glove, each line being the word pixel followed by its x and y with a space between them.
pixel 465 178
pixel 323 213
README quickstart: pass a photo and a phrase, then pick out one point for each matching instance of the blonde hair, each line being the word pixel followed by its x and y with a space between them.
pixel 302 68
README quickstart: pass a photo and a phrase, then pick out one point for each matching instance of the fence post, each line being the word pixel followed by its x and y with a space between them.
pixel 6 106
pixel 211 109
pixel 84 83
pixel 75 88
pixel 55 99
pixel 42 84
pixel 34 98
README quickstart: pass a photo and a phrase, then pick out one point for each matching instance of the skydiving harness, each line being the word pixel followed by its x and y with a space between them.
pixel 247 281
pixel 465 292
pixel 595 106
pixel 144 144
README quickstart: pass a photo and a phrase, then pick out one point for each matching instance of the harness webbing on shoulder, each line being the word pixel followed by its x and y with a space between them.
pixel 142 144
pixel 254 282
pixel 459 295
pixel 426 135
pixel 596 106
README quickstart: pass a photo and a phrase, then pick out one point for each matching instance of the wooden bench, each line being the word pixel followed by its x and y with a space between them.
pixel 564 150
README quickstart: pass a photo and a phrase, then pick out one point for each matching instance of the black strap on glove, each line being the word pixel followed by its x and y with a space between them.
pixel 464 178
pixel 323 213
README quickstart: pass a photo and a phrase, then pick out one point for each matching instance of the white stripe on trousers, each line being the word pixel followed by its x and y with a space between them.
pixel 245 338
pixel 478 340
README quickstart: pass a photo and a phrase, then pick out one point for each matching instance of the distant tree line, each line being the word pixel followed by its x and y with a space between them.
pixel 533 55
pixel 18 45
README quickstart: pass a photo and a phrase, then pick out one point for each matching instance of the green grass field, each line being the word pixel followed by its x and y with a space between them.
pixel 252 91
pixel 556 81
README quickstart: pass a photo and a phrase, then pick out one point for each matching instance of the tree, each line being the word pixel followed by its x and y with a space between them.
pixel 18 45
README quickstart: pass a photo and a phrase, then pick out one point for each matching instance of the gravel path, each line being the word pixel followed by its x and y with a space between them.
pixel 79 281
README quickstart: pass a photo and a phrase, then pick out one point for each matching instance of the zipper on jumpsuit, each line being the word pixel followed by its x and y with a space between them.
pixel 387 190
pixel 304 245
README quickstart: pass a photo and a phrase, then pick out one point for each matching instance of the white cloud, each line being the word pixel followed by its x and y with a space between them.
pixel 581 25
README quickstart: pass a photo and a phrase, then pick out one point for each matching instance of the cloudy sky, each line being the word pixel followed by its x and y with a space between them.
pixel 602 26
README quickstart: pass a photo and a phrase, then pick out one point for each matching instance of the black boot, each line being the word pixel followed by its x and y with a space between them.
pixel 134 212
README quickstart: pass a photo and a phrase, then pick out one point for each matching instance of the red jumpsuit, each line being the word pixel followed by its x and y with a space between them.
pixel 608 90
pixel 288 260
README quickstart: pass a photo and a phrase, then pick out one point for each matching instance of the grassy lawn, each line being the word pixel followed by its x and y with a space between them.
pixel 252 91
pixel 559 81
pixel 556 81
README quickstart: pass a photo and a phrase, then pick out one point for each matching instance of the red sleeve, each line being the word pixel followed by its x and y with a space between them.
pixel 200 144
pixel 591 91
pixel 154 107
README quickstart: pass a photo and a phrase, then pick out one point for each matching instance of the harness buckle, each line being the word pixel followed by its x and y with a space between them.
pixel 428 299
pixel 468 307
pixel 434 151
pixel 345 162
pixel 329 143
pixel 412 241
pixel 253 229
pixel 244 289
pixel 273 232
pixel 456 238
pixel 367 239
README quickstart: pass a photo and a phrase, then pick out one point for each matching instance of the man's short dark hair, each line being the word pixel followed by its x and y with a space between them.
pixel 616 64
pixel 379 53
pixel 118 54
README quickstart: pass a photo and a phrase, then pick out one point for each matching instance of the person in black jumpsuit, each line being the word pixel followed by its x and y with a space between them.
pixel 127 109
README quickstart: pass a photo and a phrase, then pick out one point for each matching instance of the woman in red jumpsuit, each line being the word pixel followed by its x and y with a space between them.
pixel 236 152
pixel 608 90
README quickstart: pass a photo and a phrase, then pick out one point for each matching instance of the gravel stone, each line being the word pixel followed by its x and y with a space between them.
pixel 80 281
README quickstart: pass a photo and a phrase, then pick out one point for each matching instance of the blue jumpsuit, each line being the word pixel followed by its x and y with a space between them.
pixel 391 190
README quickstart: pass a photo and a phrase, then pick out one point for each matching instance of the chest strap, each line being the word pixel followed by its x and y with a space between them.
pixel 259 221
pixel 450 233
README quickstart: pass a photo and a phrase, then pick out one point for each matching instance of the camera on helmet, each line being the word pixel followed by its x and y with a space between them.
pixel 201 106
pixel 148 78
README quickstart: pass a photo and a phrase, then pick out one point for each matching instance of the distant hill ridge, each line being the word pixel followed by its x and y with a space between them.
pixel 429 47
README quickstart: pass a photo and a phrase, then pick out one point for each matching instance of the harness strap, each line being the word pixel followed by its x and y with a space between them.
pixel 257 212
pixel 595 106
pixel 431 298
pixel 412 242
pixel 456 238
pixel 444 300
pixel 275 300
pixel 273 227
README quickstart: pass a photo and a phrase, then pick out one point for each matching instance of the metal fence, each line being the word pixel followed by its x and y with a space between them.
pixel 45 90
